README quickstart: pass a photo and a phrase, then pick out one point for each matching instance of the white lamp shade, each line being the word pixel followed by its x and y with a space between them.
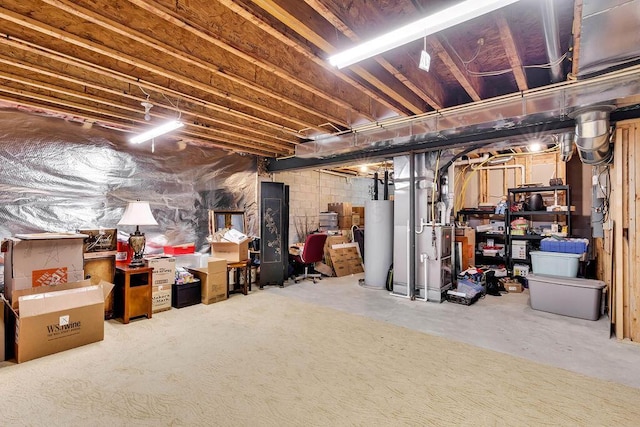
pixel 138 213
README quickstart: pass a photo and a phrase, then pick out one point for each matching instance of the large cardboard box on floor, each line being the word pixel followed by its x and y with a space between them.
pixel 231 251
pixel 346 259
pixel 50 319
pixel 43 259
pixel 213 280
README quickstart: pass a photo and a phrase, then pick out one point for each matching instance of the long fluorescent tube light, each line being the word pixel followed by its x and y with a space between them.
pixel 431 24
pixel 157 131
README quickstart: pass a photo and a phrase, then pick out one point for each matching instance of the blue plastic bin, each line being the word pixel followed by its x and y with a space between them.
pixel 567 246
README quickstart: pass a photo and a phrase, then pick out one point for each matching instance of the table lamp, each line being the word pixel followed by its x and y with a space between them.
pixel 137 213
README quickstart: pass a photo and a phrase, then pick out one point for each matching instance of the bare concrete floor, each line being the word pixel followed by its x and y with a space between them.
pixel 505 324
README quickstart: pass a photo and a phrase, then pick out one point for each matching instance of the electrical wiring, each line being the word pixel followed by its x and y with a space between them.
pixel 498 72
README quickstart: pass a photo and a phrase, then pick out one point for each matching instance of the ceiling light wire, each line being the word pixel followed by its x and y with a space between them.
pixel 176 105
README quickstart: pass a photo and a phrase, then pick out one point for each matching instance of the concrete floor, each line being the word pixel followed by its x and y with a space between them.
pixel 506 324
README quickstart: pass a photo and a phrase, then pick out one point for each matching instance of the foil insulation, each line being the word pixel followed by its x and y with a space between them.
pixel 59 175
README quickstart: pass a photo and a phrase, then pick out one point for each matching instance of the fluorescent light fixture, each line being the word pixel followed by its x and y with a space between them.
pixel 431 24
pixel 157 131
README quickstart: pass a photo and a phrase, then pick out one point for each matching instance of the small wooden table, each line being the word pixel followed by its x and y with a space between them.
pixel 244 268
pixel 132 291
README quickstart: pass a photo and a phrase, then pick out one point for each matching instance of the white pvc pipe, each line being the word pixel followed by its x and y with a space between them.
pixel 482 159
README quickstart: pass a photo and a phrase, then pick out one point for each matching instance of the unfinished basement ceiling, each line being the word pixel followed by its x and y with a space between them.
pixel 253 77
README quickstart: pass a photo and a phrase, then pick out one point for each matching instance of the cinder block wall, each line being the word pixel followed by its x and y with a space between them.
pixel 311 191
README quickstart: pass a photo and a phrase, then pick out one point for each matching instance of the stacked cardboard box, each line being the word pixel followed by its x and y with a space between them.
pixel 345 214
pixel 33 260
pixel 359 211
pixel 164 275
pixel 332 240
pixel 346 259
pixel 231 251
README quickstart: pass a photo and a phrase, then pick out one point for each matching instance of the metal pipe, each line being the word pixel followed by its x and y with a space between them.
pixel 386 185
pixel 375 186
pixel 552 39
pixel 412 225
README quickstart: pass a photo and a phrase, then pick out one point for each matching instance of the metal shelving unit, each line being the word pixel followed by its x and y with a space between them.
pixel 561 216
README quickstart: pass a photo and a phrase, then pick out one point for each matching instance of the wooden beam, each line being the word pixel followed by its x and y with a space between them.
pixel 471 86
pixel 632 275
pixel 389 87
pixel 102 115
pixel 262 63
pixel 617 211
pixel 306 52
pixel 511 51
pixel 144 65
pixel 577 35
pixel 190 59
pixel 435 99
pixel 626 257
pixel 69 61
pixel 634 140
pixel 94 97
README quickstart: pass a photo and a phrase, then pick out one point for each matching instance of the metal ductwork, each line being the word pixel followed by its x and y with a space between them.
pixel 566 146
pixel 592 134
pixel 552 39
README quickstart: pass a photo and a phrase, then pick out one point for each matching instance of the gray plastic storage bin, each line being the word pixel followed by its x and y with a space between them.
pixel 555 263
pixel 567 296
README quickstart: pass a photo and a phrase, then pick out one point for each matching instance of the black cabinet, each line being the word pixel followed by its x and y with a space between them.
pixel 557 210
pixel 274 233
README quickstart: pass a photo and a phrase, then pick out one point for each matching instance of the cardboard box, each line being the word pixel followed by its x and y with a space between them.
pixel 343 209
pixel 160 298
pixel 359 210
pixel 164 270
pixel 232 252
pixel 519 249
pixel 50 319
pixel 101 240
pixel 345 221
pixel 213 280
pixel 346 259
pixel 332 240
pixel 33 260
pixel 513 287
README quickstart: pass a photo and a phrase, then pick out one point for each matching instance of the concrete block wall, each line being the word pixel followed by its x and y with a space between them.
pixel 311 191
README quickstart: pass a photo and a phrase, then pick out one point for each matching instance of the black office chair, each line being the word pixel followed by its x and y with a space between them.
pixel 312 252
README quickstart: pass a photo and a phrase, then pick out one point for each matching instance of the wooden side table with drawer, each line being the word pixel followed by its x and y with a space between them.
pixel 132 291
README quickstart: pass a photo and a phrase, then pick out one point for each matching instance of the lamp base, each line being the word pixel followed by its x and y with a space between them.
pixel 137 242
pixel 137 263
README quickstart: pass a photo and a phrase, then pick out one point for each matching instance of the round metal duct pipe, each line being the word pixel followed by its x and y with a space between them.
pixel 566 146
pixel 592 134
